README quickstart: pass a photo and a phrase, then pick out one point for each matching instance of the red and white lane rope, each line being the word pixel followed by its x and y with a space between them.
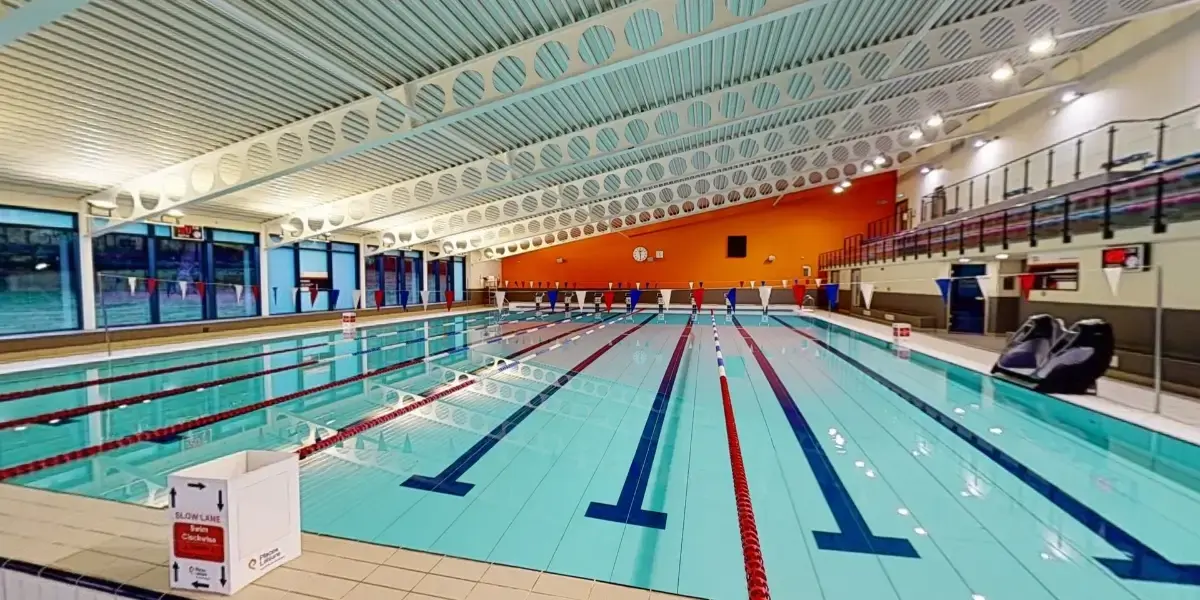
pixel 756 571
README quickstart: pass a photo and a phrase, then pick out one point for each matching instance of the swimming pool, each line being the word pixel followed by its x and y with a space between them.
pixel 595 446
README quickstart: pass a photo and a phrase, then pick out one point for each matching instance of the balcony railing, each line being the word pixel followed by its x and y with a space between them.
pixel 1156 197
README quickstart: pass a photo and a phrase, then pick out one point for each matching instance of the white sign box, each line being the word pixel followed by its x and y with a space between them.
pixel 233 520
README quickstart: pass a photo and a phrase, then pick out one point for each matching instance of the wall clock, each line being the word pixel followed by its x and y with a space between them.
pixel 640 254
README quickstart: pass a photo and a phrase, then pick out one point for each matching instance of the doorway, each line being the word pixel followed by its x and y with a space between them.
pixel 967 301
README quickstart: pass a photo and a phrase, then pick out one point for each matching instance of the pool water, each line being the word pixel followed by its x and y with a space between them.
pixel 595 446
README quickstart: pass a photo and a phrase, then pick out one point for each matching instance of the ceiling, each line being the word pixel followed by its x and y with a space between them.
pixel 499 126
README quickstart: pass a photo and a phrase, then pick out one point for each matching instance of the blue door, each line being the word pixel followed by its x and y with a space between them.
pixel 967 302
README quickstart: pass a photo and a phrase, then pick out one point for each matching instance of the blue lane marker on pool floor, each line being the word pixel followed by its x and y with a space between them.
pixel 447 482
pixel 628 508
pixel 1142 563
pixel 856 535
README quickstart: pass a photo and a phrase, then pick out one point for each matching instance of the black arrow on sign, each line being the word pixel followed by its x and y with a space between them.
pixel 172 497
pixel 198 585
pixel 175 567
pixel 222 576
pixel 220 500
pixel 198 485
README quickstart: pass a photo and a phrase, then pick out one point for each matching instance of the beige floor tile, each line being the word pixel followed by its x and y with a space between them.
pixel 347 549
pixel 258 592
pixel 325 564
pixel 413 560
pixel 146 552
pixel 366 591
pixel 522 579
pixel 303 582
pixel 112 568
pixel 666 596
pixel 537 596
pixel 33 551
pixel 396 578
pixel 444 587
pixel 487 591
pixel 157 579
pixel 460 568
pixel 608 591
pixel 567 587
pixel 421 597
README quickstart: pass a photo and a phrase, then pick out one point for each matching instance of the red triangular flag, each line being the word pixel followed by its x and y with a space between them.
pixel 312 293
pixel 200 285
pixel 254 292
pixel 378 299
pixel 1026 280
pixel 449 299
pixel 798 292
pixel 151 285
pixel 608 299
pixel 698 296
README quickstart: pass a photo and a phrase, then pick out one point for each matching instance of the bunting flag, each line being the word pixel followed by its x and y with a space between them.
pixel 449 299
pixel 254 292
pixel 698 297
pixel 634 296
pixel 666 297
pixel 200 287
pixel 868 292
pixel 357 297
pixel 1113 275
pixel 274 296
pixel 404 299
pixel 581 298
pixel 985 284
pixel 831 294
pixel 731 299
pixel 798 291
pixel 424 296
pixel 334 294
pixel 556 286
pixel 752 283
pixel 782 283
pixel 132 281
pixel 499 300
pixel 295 295
pixel 1026 282
pixel 238 290
pixel 553 295
pixel 379 299
pixel 313 290
pixel 764 295
pixel 690 284
pixel 183 289
pixel 151 285
pixel 943 284
pixel 608 300
pixel 637 285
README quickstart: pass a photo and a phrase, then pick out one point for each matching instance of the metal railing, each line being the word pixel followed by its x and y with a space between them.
pixel 1151 198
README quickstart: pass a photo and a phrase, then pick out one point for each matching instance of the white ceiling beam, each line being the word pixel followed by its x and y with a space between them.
pixel 34 15
pixel 373 122
pixel 811 83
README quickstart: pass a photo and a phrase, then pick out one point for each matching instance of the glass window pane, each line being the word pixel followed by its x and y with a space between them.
pixel 234 265
pixel 38 285
pixel 373 278
pixel 314 269
pixel 345 280
pixel 179 265
pixel 391 281
pixel 36 218
pixel 282 274
pixel 236 237
pixel 116 257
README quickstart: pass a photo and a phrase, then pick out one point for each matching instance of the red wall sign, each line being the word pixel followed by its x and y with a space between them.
pixel 199 542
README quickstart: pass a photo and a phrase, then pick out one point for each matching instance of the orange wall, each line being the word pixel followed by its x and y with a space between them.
pixel 803 225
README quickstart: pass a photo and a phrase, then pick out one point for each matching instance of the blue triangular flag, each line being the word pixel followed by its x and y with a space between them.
pixel 333 298
pixel 404 299
pixel 731 296
pixel 553 296
pixel 831 293
pixel 944 287
pixel 634 296
pixel 407 445
pixel 274 296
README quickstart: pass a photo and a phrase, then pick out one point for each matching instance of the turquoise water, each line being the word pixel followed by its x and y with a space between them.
pixel 598 449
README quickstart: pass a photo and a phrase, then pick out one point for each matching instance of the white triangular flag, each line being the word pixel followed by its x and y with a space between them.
pixel 295 295
pixel 818 282
pixel 505 283
pixel 581 297
pixel 499 300
pixel 237 291
pixel 985 284
pixel 424 296
pixel 690 284
pixel 666 296
pixel 638 285
pixel 868 291
pixel 556 285
pixel 1113 275
pixel 752 282
pixel 783 283
pixel 132 281
pixel 183 289
pixel 358 295
pixel 610 285
pixel 764 295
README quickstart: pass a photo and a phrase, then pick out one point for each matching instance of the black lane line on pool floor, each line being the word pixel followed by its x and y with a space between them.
pixel 1142 563
pixel 448 482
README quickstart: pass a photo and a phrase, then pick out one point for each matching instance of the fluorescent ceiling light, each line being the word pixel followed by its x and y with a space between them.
pixel 880 160
pixel 1003 73
pixel 103 204
pixel 175 213
pixel 867 168
pixel 1070 96
pixel 935 121
pixel 915 135
pixel 1043 45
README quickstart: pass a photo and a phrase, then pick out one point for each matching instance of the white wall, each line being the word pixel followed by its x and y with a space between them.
pixel 1175 258
pixel 477 270
pixel 1154 72
pixel 901 278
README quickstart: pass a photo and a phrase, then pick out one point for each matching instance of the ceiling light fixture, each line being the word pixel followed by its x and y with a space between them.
pixel 979 143
pixel 1070 96
pixel 964 260
pixel 846 183
pixel 288 227
pixel 1002 256
pixel 175 213
pixel 867 168
pixel 916 134
pixel 838 189
pixel 1003 73
pixel 925 170
pixel 1043 45
pixel 935 121
pixel 102 204
pixel 880 160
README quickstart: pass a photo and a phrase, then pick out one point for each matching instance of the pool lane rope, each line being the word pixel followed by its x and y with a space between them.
pixel 145 436
pixel 75 385
pixel 756 571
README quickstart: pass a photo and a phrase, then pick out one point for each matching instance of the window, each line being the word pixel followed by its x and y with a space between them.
pixel 398 275
pixel 146 276
pixel 313 276
pixel 735 246
pixel 447 274
pixel 38 271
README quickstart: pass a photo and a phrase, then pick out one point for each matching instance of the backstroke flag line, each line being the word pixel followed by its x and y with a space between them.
pixel 868 291
pixel 666 297
pixel 764 295
pixel 499 300
pixel 581 298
